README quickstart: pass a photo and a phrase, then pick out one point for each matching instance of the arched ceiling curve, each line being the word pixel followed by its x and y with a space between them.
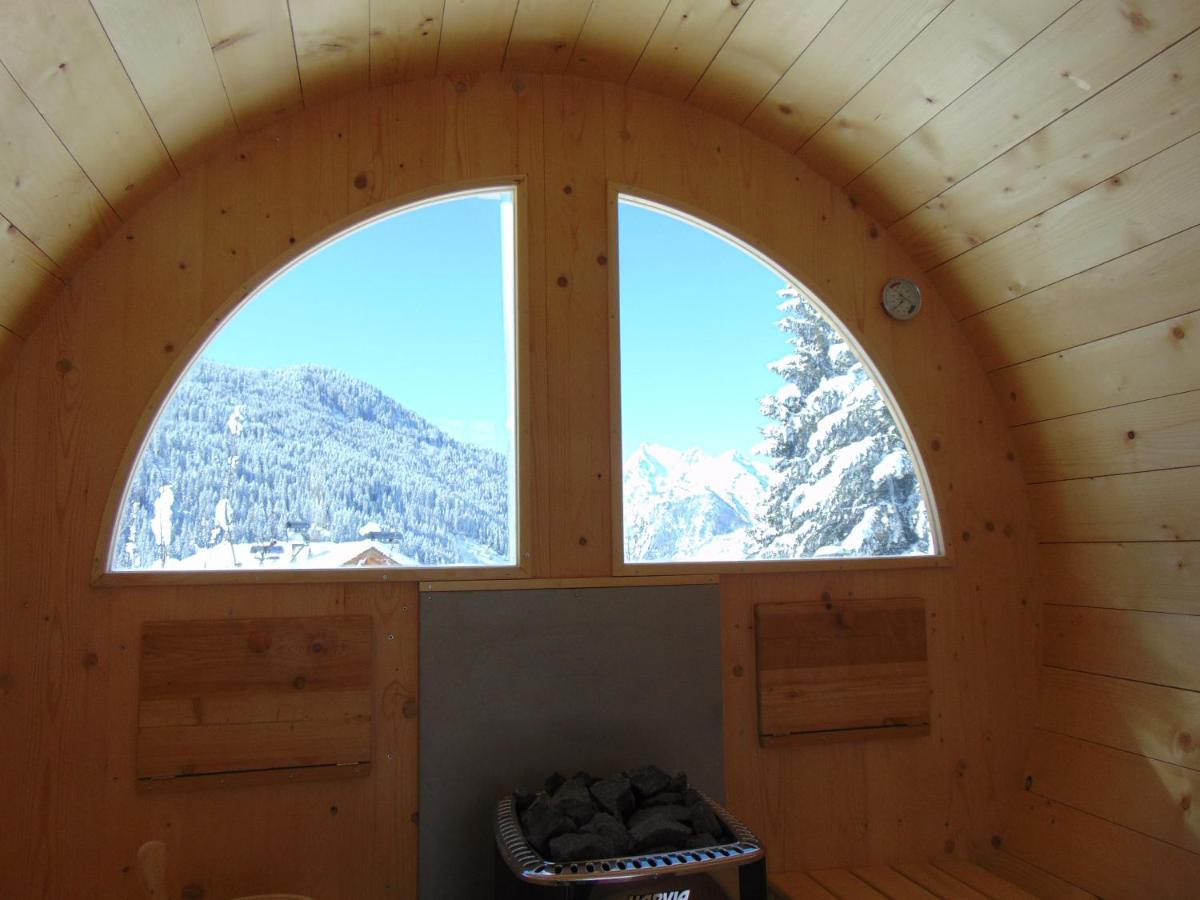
pixel 1030 154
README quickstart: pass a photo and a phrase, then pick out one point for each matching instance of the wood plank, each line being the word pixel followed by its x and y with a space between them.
pixel 1162 576
pixel 891 883
pixel 474 35
pixel 256 55
pixel 1155 105
pixel 1148 362
pixel 184 750
pixel 231 709
pixel 59 54
pixel 1134 437
pixel 1092 305
pixel 332 47
pixel 1146 506
pixel 1097 855
pixel 29 280
pixel 856 43
pixel 1157 648
pixel 544 34
pixel 987 883
pixel 798 886
pixel 958 48
pixel 140 32
pixel 43 192
pixel 253 656
pixel 1154 721
pixel 847 665
pixel 939 883
pixel 1150 201
pixel 251 778
pixel 404 39
pixel 845 885
pixel 1146 795
pixel 1042 883
pixel 1088 48
pixel 540 584
pixel 769 38
pixel 686 39
pixel 10 346
pixel 613 38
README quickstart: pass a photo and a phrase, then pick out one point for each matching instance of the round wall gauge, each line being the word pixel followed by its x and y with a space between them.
pixel 901 298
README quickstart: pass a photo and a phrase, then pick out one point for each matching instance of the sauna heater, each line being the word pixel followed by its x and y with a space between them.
pixel 735 870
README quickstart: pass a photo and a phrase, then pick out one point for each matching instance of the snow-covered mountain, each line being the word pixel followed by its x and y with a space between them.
pixel 688 505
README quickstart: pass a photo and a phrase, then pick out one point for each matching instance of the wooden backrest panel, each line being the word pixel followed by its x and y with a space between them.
pixel 235 695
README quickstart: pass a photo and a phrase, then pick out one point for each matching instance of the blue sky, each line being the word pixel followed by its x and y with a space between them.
pixel 414 305
pixel 698 328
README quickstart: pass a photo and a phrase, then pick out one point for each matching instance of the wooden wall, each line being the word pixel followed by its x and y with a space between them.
pixel 85 374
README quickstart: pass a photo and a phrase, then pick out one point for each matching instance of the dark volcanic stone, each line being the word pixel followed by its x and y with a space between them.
pixel 697 841
pixel 666 798
pixel 614 795
pixel 679 783
pixel 553 783
pixel 522 800
pixel 580 845
pixel 573 800
pixel 703 819
pixel 674 813
pixel 690 796
pixel 648 781
pixel 584 777
pixel 658 831
pixel 541 822
pixel 611 828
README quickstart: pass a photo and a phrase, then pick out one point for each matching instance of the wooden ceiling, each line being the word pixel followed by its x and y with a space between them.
pixel 1008 144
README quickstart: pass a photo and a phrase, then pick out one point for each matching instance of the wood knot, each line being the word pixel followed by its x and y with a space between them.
pixel 1186 803
pixel 90 661
pixel 1137 20
pixel 602 260
pixel 299 682
pixel 1178 333
pixel 258 641
pixel 936 445
pixel 785 109
pixel 873 232
pixel 567 189
pixel 333 810
pixel 582 542
pixel 625 135
pixel 64 365
pixel 409 708
pixel 949 847
pixel 1185 741
pixel 562 281
pixel 192 892
pixel 1131 434
pixel 168 348
pixel 317 647
pixel 360 180
pixel 738 671
pixel 966 535
pixel 997 841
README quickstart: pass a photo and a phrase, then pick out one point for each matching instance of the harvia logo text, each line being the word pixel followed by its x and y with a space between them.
pixel 663 895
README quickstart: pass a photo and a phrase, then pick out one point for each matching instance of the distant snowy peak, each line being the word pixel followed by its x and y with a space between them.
pixel 654 470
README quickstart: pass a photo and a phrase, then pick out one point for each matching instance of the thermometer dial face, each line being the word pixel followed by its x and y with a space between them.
pixel 901 298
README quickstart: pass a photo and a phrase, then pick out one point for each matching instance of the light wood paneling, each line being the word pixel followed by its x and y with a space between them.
pixel 1147 506
pixel 1146 203
pixel 404 39
pixel 140 33
pixel 1148 719
pixel 767 40
pixel 332 46
pixel 1093 44
pixel 1145 286
pixel 1152 107
pixel 1151 797
pixel 256 55
pixel 614 36
pixel 1157 648
pixel 960 46
pixel 982 880
pixel 845 885
pixel 1142 364
pixel 57 51
pixel 42 189
pixel 29 280
pixel 1098 855
pixel 544 34
pixel 474 34
pixel 799 886
pixel 859 41
pixel 685 40
pixel 937 882
pixel 1136 437
pixel 1161 576
pixel 10 346
pixel 889 883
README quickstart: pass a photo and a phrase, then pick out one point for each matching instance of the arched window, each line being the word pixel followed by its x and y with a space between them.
pixel 752 427
pixel 358 410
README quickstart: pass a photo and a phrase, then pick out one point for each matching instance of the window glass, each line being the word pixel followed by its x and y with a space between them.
pixel 358 410
pixel 750 427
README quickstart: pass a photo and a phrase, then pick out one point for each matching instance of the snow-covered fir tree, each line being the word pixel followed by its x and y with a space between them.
pixel 843 483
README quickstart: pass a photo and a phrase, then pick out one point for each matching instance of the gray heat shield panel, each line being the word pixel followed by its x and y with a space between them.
pixel 517 684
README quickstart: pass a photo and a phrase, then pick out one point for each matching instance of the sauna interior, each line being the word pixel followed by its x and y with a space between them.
pixel 1033 166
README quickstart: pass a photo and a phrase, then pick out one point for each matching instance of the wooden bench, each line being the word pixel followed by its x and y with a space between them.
pixel 949 879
